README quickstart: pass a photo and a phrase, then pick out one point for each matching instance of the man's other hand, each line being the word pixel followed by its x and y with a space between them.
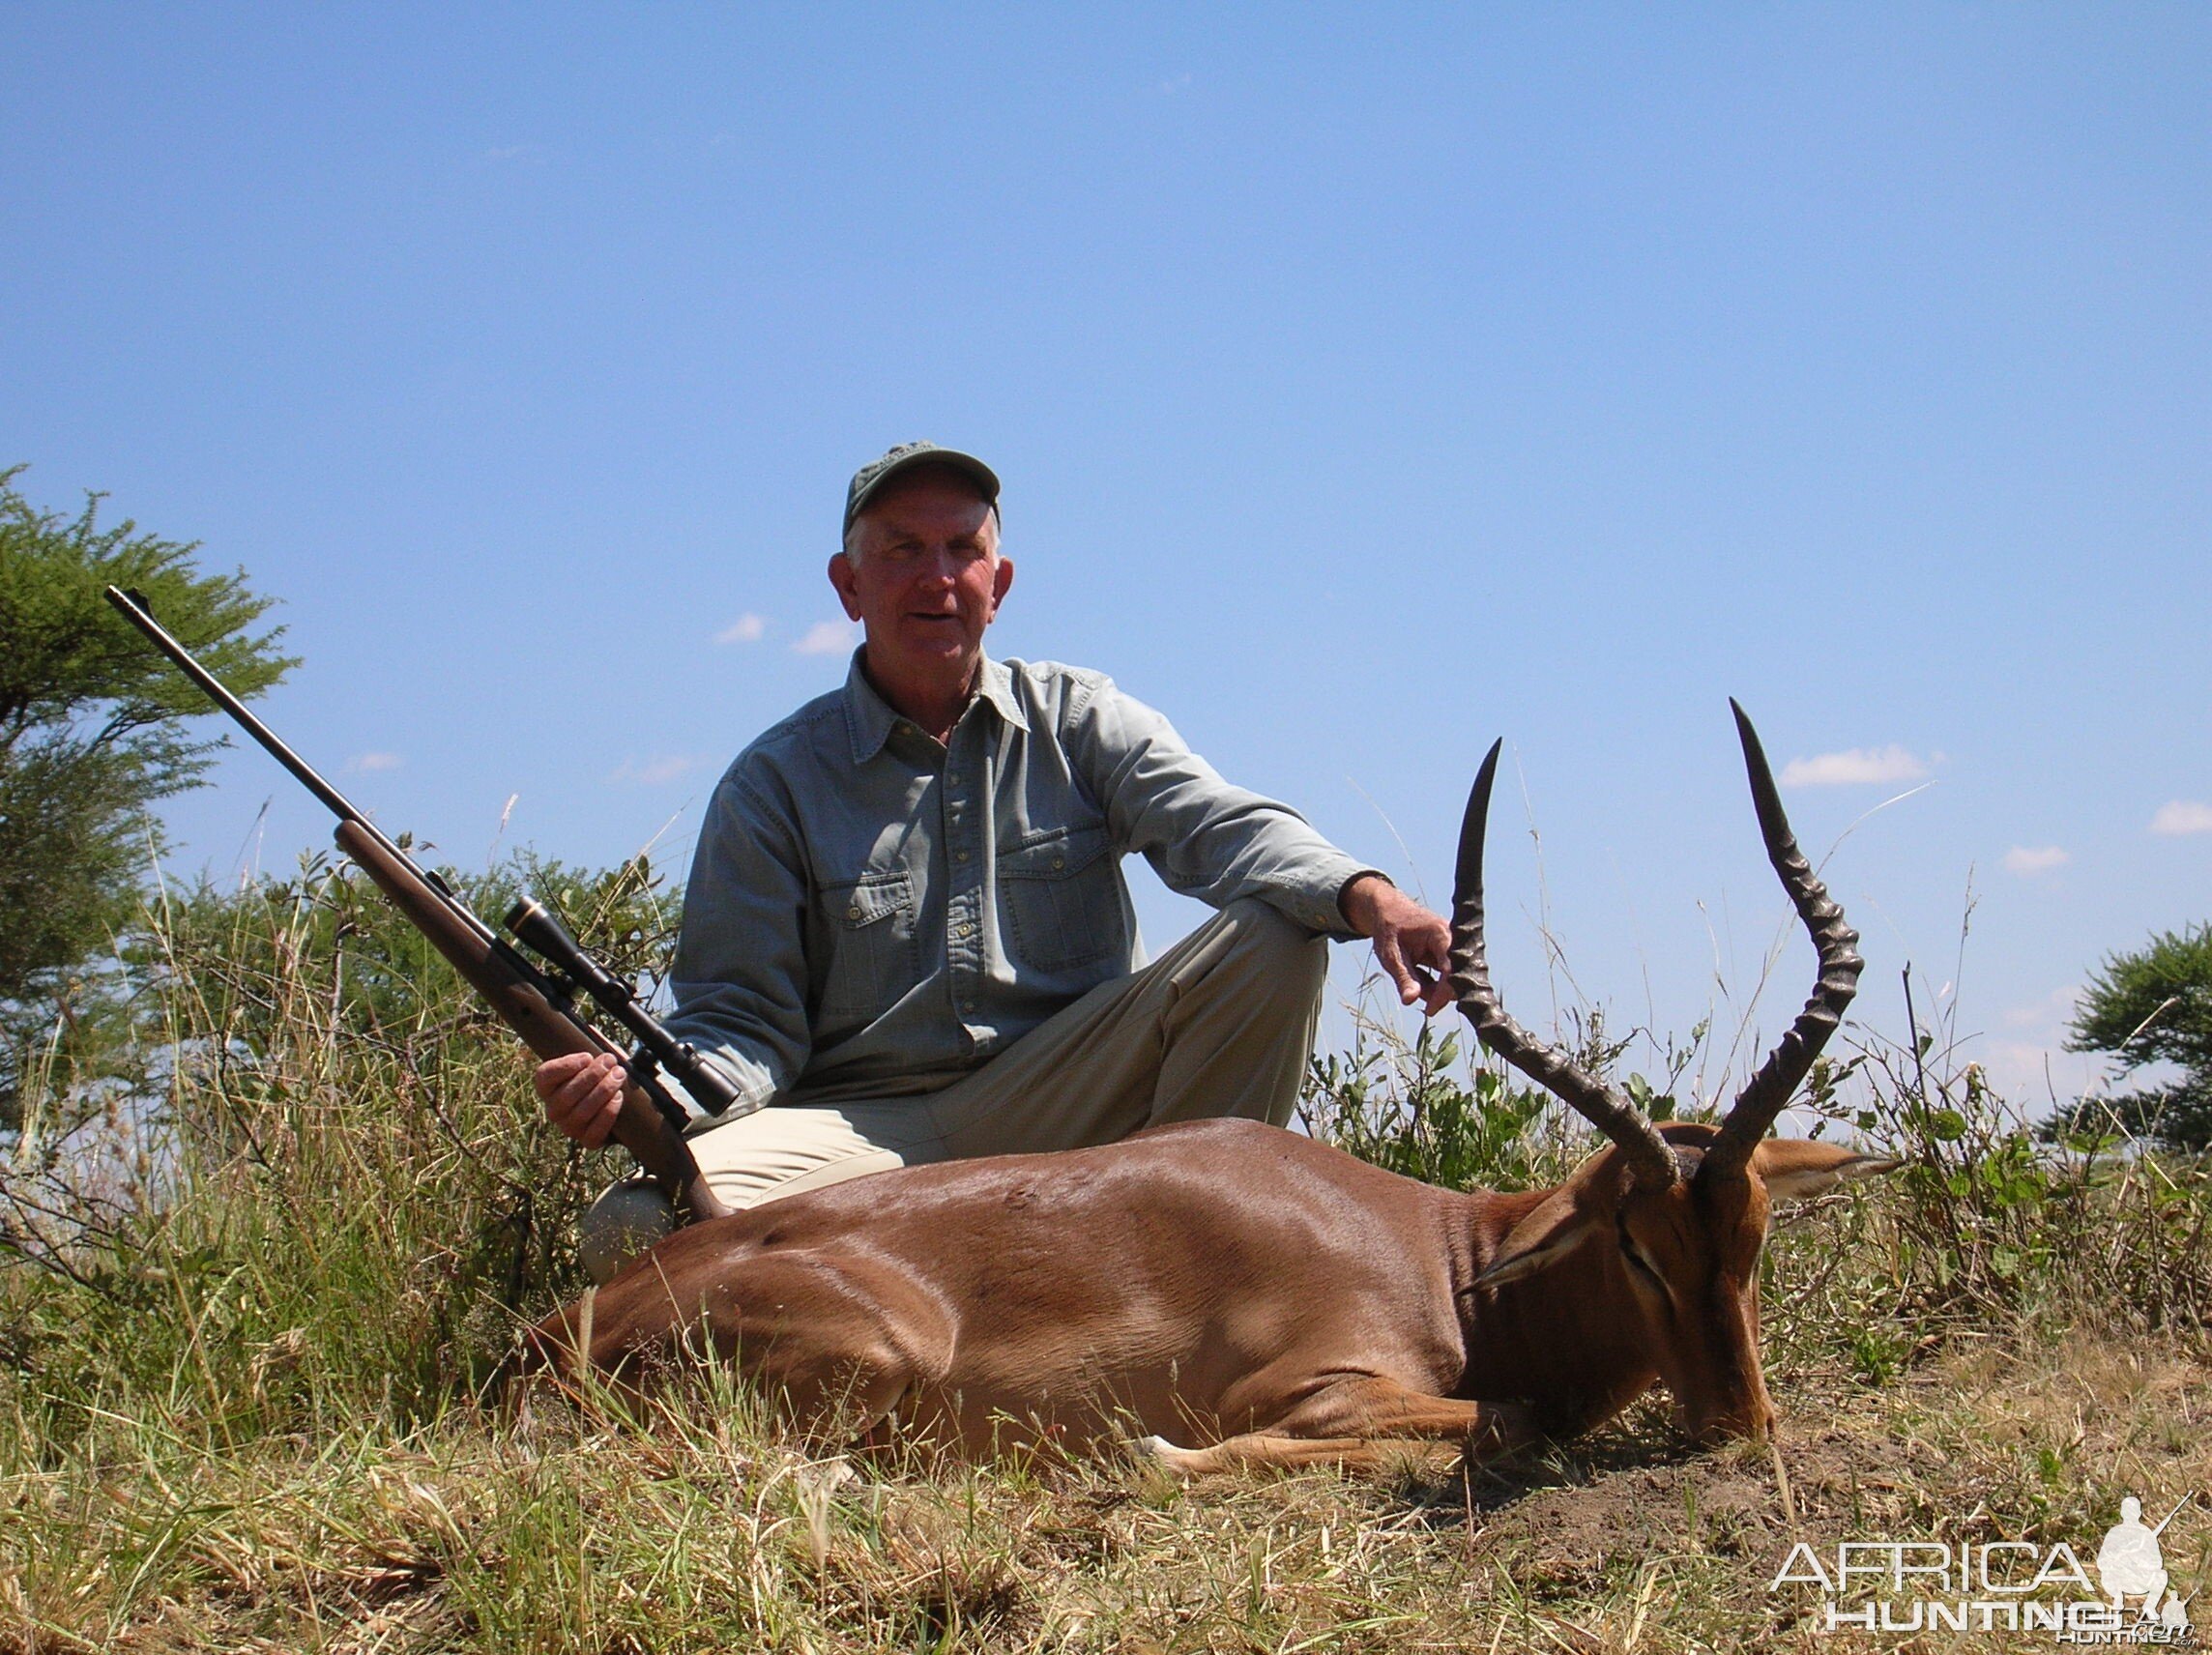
pixel 1412 944
pixel 582 1093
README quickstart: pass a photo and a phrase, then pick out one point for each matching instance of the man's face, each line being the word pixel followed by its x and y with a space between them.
pixel 928 578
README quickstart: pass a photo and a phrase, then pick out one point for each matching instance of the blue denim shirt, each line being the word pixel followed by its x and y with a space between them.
pixel 871 915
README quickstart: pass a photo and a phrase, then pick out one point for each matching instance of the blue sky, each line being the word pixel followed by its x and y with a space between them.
pixel 1367 383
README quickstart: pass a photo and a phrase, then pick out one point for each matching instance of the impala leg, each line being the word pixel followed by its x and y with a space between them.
pixel 1259 1449
pixel 837 1344
pixel 1360 1424
pixel 847 1403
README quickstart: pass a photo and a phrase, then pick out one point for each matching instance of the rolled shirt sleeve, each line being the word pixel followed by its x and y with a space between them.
pixel 739 975
pixel 1203 836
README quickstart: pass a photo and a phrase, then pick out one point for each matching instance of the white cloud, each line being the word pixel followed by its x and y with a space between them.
pixel 653 772
pixel 828 638
pixel 1860 764
pixel 2032 1074
pixel 2049 1012
pixel 2026 861
pixel 374 761
pixel 747 629
pixel 2182 816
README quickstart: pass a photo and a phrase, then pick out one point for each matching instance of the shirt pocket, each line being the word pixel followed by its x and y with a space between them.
pixel 1063 900
pixel 873 954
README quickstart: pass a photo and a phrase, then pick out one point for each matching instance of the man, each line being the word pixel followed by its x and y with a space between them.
pixel 906 927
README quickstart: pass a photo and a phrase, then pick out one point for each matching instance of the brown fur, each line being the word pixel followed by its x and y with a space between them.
pixel 1218 1283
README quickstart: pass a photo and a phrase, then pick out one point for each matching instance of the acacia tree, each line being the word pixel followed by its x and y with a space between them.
pixel 2153 1005
pixel 92 731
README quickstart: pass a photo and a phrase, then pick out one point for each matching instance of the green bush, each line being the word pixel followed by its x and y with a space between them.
pixel 342 1191
pixel 1984 1224
pixel 92 731
pixel 2150 1005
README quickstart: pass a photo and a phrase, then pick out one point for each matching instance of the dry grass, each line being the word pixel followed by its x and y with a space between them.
pixel 703 1530
pixel 242 1417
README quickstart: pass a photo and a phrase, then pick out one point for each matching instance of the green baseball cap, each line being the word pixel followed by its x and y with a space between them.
pixel 869 479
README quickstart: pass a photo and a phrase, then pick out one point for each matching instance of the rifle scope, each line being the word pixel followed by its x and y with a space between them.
pixel 536 927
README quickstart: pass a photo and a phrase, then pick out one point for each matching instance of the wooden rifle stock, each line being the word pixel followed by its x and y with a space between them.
pixel 507 986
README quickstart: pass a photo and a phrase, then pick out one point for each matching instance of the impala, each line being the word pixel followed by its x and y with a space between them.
pixel 1260 1296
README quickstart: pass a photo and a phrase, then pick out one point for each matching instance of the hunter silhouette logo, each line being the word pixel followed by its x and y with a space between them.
pixel 2131 1565
pixel 2000 1585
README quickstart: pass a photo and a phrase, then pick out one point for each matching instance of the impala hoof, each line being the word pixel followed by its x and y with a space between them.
pixel 1161 1452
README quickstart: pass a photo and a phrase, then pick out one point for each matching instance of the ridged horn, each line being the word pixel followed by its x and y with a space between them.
pixel 1766 1092
pixel 1602 1105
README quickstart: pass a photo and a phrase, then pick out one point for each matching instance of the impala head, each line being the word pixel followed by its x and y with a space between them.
pixel 1680 1211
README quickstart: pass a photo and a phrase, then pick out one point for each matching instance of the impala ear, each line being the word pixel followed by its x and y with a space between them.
pixel 1795 1167
pixel 1556 1228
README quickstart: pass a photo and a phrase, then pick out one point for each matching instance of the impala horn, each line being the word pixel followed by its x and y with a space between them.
pixel 1652 1162
pixel 1766 1092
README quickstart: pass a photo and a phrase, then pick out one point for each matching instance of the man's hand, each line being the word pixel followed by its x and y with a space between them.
pixel 582 1093
pixel 1412 944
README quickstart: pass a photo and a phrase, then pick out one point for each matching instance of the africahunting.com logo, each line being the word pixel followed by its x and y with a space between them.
pixel 2000 1585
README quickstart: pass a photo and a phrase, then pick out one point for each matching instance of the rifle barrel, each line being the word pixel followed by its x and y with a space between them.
pixel 650 1125
pixel 135 609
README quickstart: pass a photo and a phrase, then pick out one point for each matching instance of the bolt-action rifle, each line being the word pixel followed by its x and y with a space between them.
pixel 536 1005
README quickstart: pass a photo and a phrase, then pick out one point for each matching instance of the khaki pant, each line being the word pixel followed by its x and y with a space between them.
pixel 1220 1025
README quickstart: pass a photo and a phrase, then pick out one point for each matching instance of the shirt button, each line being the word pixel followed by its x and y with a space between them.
pixel 960 855
pixel 963 929
pixel 1059 863
pixel 852 912
pixel 951 778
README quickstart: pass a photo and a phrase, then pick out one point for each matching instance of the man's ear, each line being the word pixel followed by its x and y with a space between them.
pixel 1002 582
pixel 842 578
pixel 1795 1167
pixel 1549 1234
